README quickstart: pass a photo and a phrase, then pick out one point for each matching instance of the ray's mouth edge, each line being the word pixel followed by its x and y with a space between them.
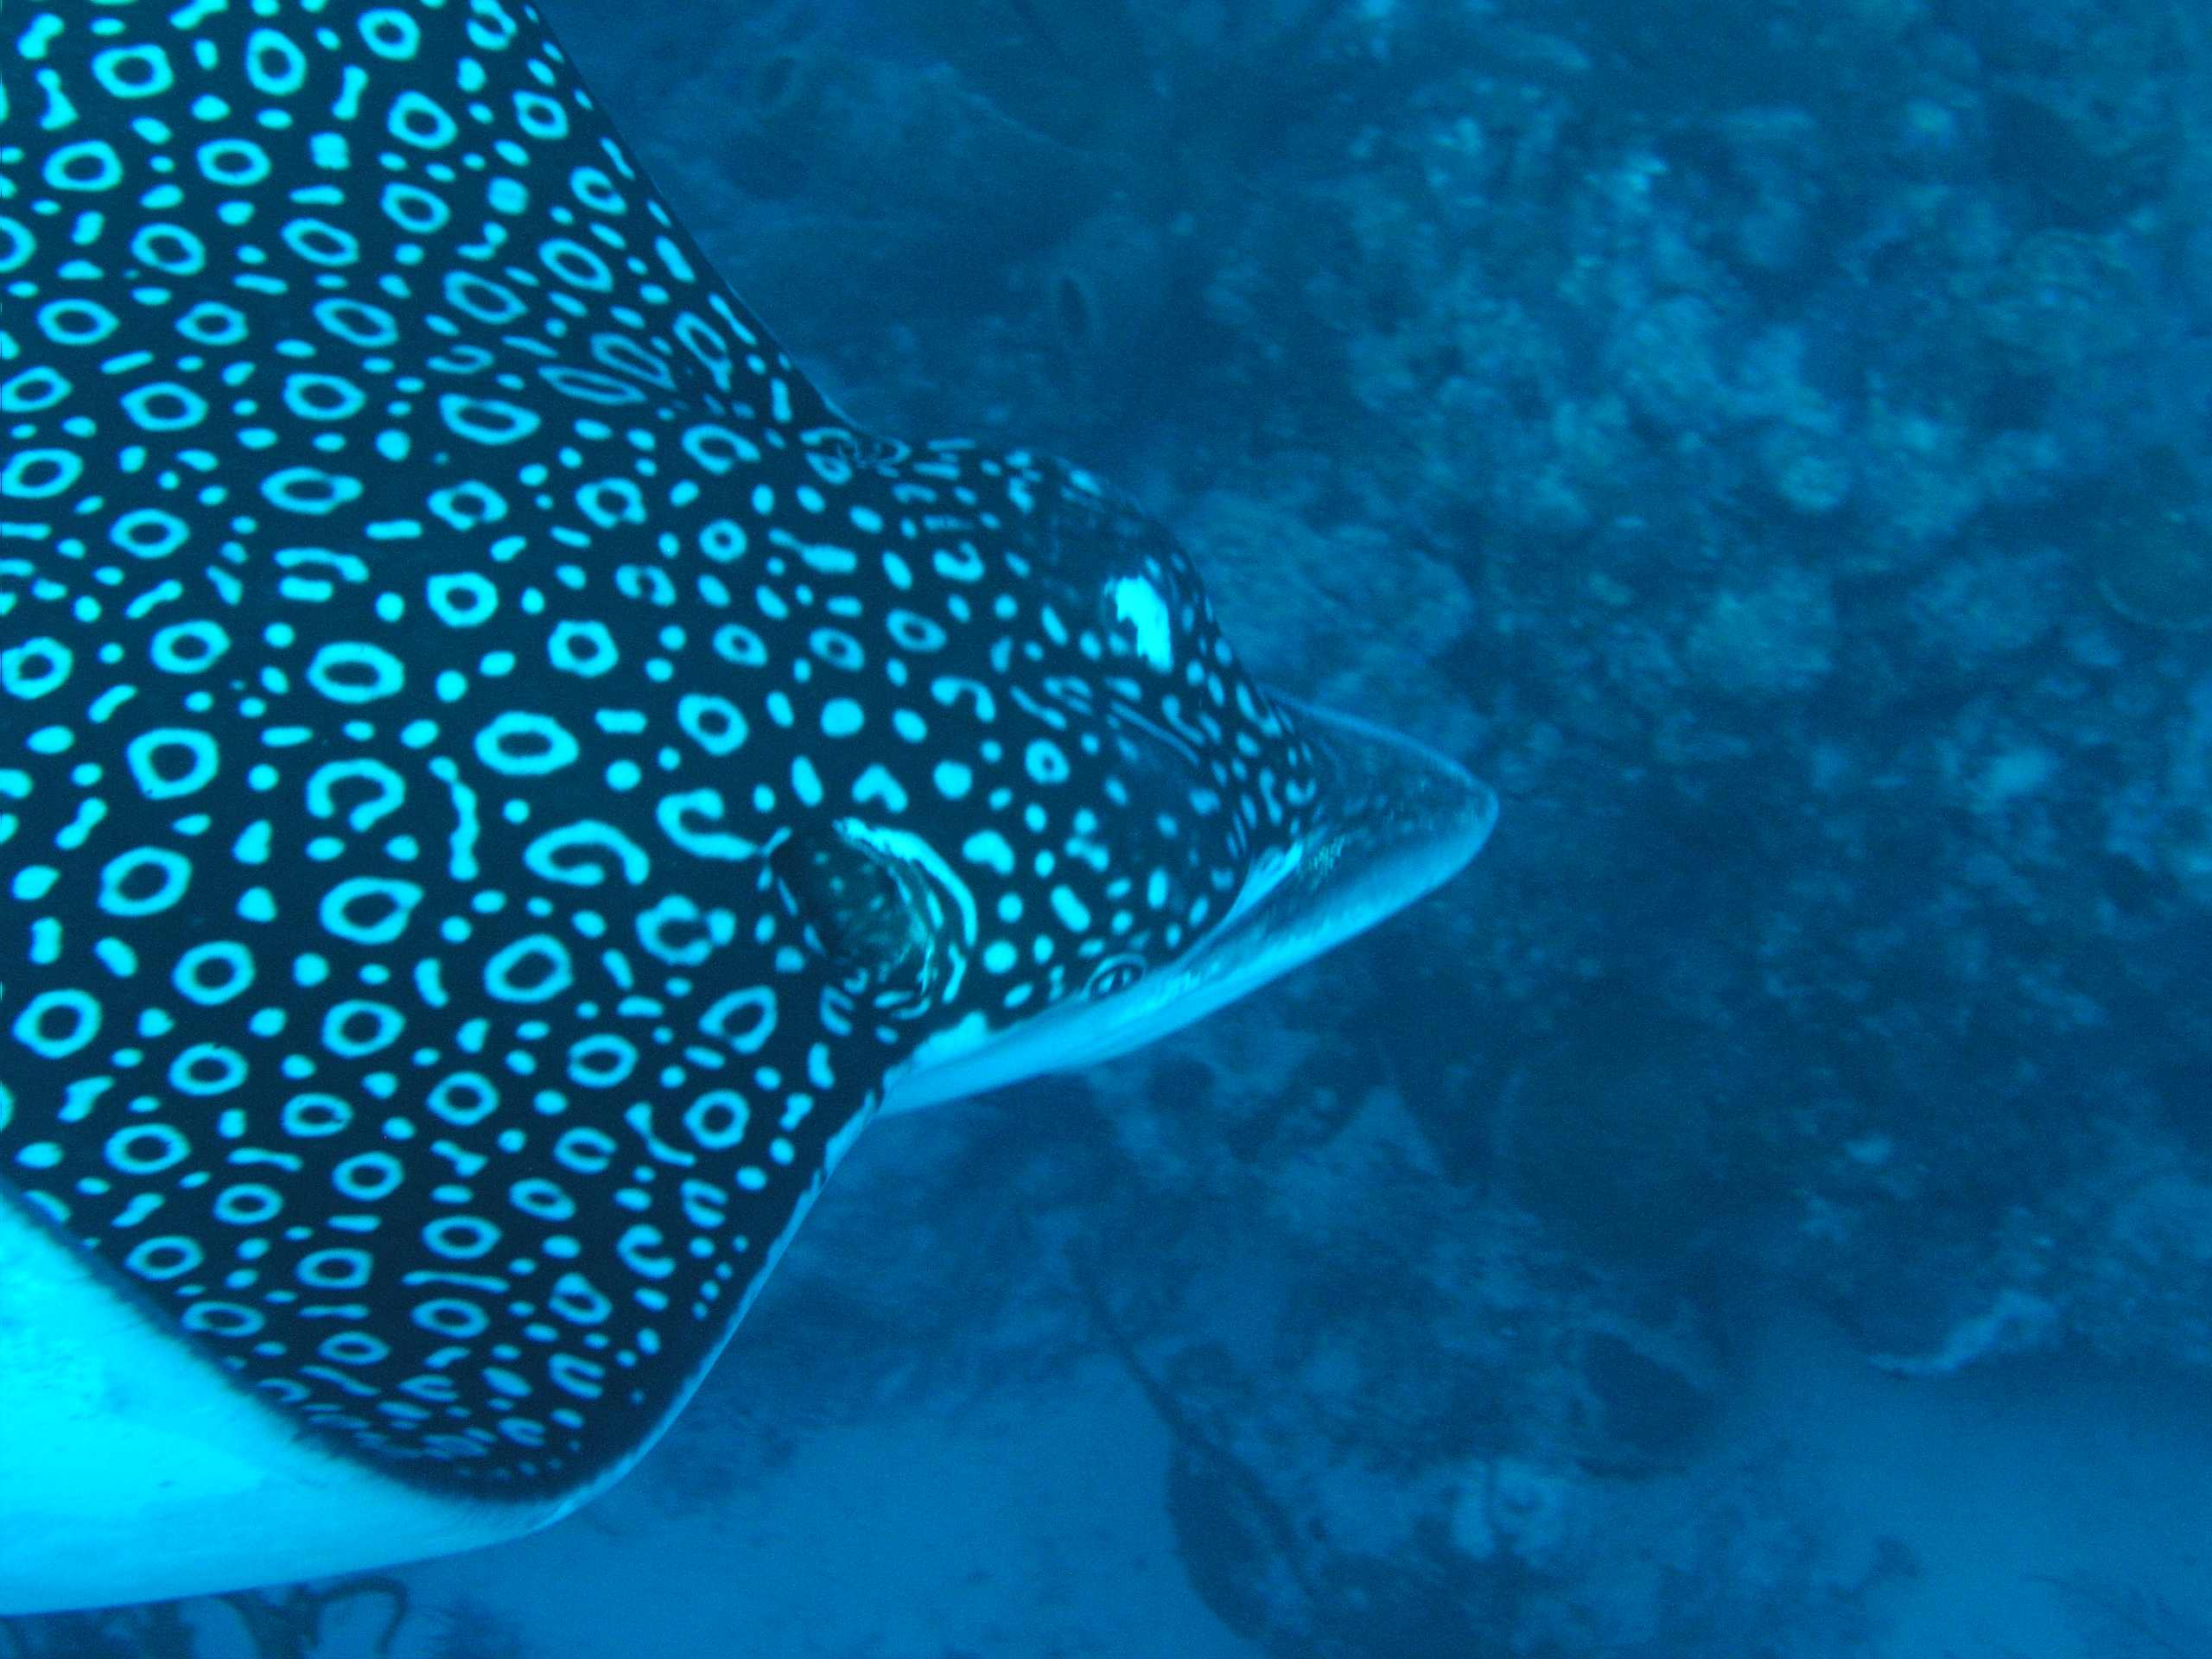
pixel 1401 820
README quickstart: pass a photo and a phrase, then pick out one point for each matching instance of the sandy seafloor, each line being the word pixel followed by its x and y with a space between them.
pixel 2045 1510
pixel 1031 1524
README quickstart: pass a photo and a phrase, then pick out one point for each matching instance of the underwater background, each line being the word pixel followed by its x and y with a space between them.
pixel 1763 1209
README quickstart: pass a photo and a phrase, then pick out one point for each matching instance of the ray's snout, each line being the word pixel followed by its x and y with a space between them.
pixel 1390 820
pixel 1400 819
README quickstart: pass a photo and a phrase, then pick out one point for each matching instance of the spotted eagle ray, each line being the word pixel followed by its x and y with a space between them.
pixel 500 780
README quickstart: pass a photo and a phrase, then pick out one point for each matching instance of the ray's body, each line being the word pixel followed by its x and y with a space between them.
pixel 498 782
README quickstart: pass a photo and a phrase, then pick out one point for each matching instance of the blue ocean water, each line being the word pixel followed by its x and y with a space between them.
pixel 1763 1208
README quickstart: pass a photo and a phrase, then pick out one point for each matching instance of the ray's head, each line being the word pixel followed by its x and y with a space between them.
pixel 1104 827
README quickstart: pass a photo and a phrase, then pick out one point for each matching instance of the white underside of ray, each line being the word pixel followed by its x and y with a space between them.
pixel 137 1470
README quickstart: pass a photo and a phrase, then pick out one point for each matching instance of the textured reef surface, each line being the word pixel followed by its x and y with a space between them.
pixel 1771 440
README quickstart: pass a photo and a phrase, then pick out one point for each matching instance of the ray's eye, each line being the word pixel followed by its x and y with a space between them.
pixel 1113 975
pixel 868 912
pixel 882 908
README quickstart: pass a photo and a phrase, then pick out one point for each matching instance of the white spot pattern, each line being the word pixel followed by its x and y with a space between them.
pixel 430 962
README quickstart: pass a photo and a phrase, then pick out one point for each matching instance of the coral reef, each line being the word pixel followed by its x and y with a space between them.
pixel 1783 470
